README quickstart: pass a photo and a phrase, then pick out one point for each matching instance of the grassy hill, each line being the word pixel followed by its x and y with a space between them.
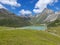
pixel 55 30
pixel 13 36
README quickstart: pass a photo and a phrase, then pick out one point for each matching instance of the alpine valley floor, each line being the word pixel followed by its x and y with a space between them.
pixel 15 36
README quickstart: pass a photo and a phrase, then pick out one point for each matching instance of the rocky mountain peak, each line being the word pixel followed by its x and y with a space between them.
pixel 48 11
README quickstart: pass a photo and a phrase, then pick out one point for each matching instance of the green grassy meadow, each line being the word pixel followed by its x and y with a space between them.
pixel 55 30
pixel 13 36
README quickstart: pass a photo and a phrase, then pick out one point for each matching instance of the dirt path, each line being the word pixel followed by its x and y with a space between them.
pixel 54 34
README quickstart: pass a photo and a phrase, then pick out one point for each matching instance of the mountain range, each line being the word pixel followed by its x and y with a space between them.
pixel 10 19
pixel 47 16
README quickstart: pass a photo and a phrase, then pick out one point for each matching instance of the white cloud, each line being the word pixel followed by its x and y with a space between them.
pixel 1 6
pixel 10 2
pixel 37 10
pixel 23 12
pixel 42 4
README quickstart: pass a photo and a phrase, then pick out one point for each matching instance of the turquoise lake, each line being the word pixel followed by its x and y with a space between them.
pixel 35 27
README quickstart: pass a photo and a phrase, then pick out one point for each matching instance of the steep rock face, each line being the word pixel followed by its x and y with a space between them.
pixel 40 18
pixel 48 16
pixel 55 22
pixel 51 17
pixel 58 13
pixel 46 12
pixel 10 19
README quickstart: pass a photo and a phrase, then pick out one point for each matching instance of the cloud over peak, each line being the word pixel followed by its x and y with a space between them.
pixel 42 4
pixel 1 6
pixel 23 12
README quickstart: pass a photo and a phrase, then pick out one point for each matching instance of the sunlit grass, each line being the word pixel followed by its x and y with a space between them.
pixel 26 37
pixel 55 30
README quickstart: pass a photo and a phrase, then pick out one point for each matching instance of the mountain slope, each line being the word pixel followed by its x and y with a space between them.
pixel 10 19
pixel 56 21
pixel 48 17
pixel 40 18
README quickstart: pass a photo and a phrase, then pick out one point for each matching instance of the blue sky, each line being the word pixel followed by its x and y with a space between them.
pixel 22 7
